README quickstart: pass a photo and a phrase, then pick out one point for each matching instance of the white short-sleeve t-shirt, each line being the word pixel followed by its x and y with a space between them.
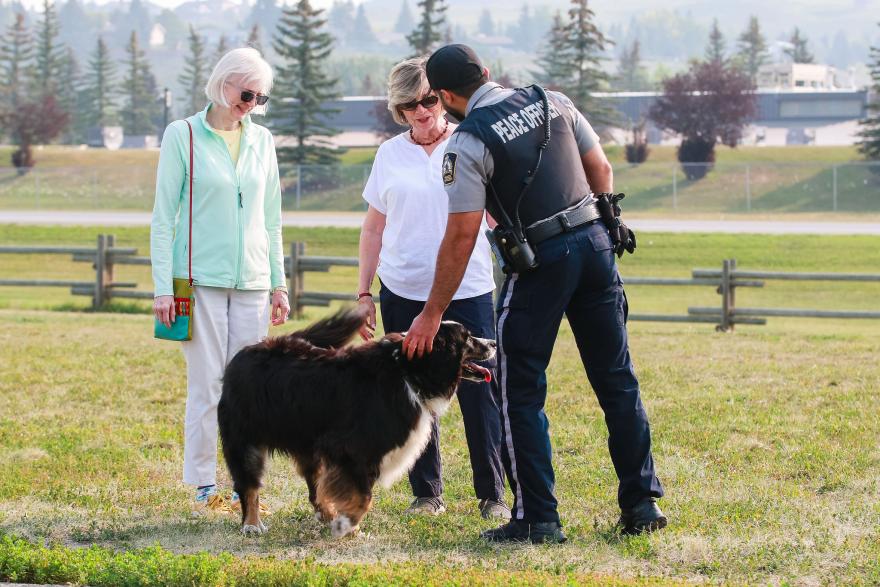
pixel 406 186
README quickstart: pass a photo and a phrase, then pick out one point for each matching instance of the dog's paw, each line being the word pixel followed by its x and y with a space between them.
pixel 341 526
pixel 251 530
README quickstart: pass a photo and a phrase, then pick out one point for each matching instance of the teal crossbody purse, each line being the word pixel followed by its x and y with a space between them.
pixel 184 297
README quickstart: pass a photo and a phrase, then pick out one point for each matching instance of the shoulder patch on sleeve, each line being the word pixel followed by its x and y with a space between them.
pixel 449 168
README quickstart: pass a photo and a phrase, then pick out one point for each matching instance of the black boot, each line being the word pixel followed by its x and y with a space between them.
pixel 645 516
pixel 519 531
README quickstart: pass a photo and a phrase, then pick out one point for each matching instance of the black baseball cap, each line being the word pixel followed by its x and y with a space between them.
pixel 452 67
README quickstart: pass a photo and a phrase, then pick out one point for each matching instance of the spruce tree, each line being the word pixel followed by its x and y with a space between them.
pixel 752 53
pixel 799 52
pixel 362 34
pixel 266 14
pixel 100 87
pixel 194 75
pixel 555 68
pixel 340 20
pixel 138 18
pixel 303 46
pixel 631 75
pixel 486 25
pixel 70 96
pixel 255 38
pixel 16 52
pixel 49 54
pixel 221 50
pixel 583 48
pixel 405 21
pixel 524 33
pixel 430 28
pixel 716 48
pixel 869 146
pixel 141 106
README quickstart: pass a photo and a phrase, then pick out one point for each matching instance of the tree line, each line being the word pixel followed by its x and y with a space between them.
pixel 48 95
pixel 38 69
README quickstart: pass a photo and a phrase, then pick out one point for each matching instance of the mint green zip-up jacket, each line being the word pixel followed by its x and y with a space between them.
pixel 236 229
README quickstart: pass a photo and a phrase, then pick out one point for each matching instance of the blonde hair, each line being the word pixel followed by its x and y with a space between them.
pixel 406 82
pixel 247 63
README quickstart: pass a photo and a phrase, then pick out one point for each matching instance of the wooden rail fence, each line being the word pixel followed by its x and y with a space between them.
pixel 106 256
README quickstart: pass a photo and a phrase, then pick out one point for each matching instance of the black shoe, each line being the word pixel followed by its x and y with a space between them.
pixel 645 516
pixel 519 531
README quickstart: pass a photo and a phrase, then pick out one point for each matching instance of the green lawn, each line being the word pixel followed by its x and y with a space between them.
pixel 779 179
pixel 766 441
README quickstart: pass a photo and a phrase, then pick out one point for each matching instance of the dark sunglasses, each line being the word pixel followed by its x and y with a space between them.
pixel 247 96
pixel 428 102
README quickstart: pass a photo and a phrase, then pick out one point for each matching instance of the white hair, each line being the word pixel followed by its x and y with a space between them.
pixel 248 65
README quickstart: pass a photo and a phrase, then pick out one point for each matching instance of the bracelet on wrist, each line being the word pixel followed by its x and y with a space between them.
pixel 364 294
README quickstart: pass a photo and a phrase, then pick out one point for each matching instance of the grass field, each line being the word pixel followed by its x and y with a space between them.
pixel 766 440
pixel 746 180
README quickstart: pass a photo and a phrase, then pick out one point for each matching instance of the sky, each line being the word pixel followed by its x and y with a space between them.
pixel 36 4
pixel 33 4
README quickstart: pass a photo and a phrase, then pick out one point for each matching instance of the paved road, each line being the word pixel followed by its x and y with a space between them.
pixel 354 219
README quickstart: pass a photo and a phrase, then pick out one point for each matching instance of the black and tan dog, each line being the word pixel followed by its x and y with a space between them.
pixel 348 417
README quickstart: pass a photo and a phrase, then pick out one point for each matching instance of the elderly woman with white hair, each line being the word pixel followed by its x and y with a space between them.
pixel 400 237
pixel 233 247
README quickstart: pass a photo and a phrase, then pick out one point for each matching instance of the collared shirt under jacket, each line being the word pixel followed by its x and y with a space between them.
pixel 236 210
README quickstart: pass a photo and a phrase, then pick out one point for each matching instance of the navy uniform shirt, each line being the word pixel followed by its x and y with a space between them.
pixel 473 165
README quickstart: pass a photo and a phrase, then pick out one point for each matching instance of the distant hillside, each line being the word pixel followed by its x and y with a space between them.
pixel 839 31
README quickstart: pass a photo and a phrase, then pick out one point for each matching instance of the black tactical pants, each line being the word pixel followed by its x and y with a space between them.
pixel 479 409
pixel 577 277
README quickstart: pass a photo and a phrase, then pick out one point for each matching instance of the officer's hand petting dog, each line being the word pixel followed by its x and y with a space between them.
pixel 419 339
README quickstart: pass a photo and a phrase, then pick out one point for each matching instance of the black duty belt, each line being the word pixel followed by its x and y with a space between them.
pixel 561 222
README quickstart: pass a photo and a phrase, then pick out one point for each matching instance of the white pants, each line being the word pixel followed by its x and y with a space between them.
pixel 224 321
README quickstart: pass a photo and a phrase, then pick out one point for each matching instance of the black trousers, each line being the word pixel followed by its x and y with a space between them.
pixel 479 408
pixel 577 277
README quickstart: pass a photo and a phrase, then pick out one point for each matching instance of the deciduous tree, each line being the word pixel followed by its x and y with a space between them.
pixel 708 104
pixel 34 122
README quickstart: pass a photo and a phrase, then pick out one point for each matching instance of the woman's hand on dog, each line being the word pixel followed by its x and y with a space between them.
pixel 369 328
pixel 163 309
pixel 280 307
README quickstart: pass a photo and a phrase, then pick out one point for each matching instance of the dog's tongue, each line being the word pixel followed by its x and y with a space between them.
pixel 487 375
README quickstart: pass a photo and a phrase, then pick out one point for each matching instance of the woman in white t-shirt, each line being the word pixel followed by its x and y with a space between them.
pixel 401 235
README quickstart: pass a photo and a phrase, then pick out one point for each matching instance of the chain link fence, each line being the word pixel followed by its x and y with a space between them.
pixel 656 187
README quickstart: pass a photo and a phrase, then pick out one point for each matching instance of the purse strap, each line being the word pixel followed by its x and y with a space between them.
pixel 190 248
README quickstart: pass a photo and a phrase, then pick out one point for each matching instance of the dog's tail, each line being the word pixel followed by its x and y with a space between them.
pixel 334 331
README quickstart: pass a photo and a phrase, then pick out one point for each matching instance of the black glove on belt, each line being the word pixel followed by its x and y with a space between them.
pixel 622 237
